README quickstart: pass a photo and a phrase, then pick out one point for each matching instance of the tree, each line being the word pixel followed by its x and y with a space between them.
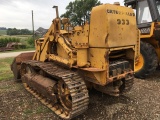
pixel 78 11
pixel 14 31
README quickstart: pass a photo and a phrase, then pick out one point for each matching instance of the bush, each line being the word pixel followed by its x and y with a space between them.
pixel 30 41
pixel 20 46
pixel 4 41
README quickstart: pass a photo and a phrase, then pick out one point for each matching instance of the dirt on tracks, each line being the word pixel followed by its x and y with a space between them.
pixel 141 103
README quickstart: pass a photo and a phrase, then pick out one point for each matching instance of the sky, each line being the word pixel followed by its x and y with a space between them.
pixel 17 13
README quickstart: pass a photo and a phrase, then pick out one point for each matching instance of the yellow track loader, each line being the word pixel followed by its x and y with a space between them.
pixel 69 60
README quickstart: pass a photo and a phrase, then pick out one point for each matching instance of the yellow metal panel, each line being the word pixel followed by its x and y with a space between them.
pixel 97 77
pixel 119 25
pixel 97 58
pixel 58 59
pixel 110 25
pixel 80 36
pixel 98 27
pixel 61 52
pixel 82 57
pixel 61 42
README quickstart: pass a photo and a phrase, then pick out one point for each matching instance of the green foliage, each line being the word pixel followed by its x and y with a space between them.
pixel 26 40
pixel 30 41
pixel 4 41
pixel 28 111
pixel 14 31
pixel 41 109
pixel 78 11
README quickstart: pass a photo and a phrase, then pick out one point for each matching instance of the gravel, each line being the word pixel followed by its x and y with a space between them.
pixel 141 103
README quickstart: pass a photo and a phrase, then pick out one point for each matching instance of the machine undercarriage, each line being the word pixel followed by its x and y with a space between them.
pixel 64 91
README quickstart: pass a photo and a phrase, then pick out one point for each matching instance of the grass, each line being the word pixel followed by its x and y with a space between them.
pixel 28 111
pixel 41 109
pixel 5 72
pixel 3 32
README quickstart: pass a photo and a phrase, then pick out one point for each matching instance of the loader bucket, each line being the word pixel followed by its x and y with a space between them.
pixel 16 64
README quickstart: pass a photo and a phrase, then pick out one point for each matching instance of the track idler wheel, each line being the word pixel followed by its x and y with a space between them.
pixel 64 95
pixel 73 95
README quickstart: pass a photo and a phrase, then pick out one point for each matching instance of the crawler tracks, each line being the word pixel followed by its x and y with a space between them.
pixel 127 84
pixel 70 92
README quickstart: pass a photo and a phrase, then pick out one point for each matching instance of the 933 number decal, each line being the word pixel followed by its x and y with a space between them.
pixel 122 22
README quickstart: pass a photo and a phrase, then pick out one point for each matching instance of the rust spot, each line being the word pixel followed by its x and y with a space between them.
pixel 106 39
pixel 91 55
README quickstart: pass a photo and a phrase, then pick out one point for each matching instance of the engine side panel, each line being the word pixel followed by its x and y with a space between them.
pixel 117 22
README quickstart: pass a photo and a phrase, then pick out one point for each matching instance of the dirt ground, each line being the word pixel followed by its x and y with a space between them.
pixel 12 54
pixel 141 103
